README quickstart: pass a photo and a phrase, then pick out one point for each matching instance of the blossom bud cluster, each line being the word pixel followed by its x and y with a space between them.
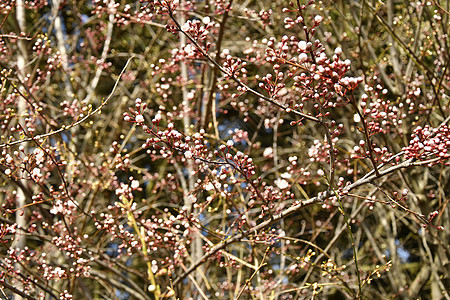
pixel 362 151
pixel 382 116
pixel 35 165
pixel 136 113
pixel 42 46
pixel 124 15
pixel 427 142
pixel 234 67
pixel 264 15
pixel 322 80
pixel 196 30
pixel 183 53
pixel 121 161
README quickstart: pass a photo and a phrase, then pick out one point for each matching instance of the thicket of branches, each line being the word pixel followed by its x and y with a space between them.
pixel 224 149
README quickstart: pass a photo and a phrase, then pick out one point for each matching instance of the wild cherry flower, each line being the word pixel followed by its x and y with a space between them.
pixel 188 154
pixel 303 57
pixel 302 45
pixel 281 183
pixel 139 118
pixel 134 184
pixel 318 19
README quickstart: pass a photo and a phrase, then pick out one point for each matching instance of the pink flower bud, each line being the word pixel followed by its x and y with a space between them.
pixel 303 57
pixel 188 154
pixel 318 19
pixel 302 45
pixel 139 119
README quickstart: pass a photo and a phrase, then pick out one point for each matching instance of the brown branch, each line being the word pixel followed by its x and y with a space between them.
pixel 16 291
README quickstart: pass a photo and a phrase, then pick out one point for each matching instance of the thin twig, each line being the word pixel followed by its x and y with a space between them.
pixel 247 282
pixel 82 120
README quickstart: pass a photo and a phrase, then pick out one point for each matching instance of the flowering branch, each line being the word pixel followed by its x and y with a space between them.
pixel 82 120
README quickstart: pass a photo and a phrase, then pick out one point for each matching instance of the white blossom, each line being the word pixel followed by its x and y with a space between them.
pixel 139 118
pixel 318 19
pixel 188 154
pixel 302 45
pixel 303 57
pixel 281 183
pixel 135 184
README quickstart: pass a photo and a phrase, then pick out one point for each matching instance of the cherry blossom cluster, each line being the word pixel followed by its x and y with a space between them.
pixel 186 52
pixel 414 92
pixel 295 168
pixel 3 49
pixel 196 30
pixel 12 256
pixel 71 245
pixel 363 151
pixel 29 166
pixel 145 13
pixel 108 6
pixel 48 268
pixel 6 229
pixel 5 7
pixel 122 162
pixel 239 136
pixel 42 45
pixel 74 108
pixel 96 36
pixel 136 114
pixel 240 164
pixel 380 113
pixel 35 4
pixel 263 15
pixel 169 140
pixel 159 234
pixel 10 38
pixel 319 151
pixel 234 67
pixel 427 142
pixel 315 77
pixel 66 208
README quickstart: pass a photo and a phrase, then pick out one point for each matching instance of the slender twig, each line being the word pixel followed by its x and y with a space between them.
pixel 98 73
pixel 366 134
pixel 352 239
pixel 440 6
pixel 247 282
pixel 213 80
pixel 331 152
pixel 82 120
